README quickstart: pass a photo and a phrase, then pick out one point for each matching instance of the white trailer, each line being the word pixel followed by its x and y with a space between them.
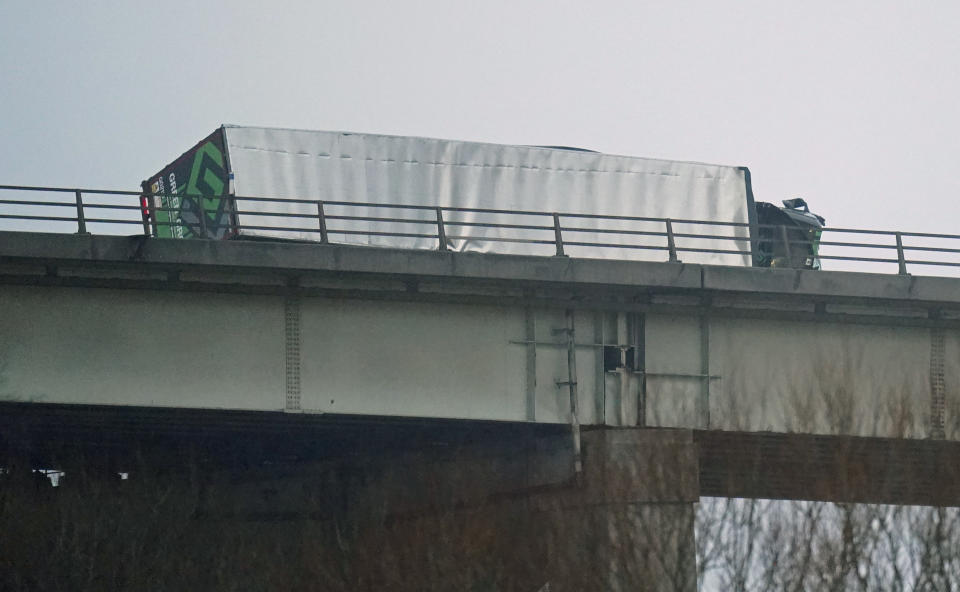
pixel 353 176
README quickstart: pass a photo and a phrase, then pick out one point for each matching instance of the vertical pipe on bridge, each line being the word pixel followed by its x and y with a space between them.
pixel 623 372
pixel 703 411
pixel 572 384
pixel 530 323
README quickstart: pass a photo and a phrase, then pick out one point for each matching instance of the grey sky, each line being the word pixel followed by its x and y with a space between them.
pixel 851 105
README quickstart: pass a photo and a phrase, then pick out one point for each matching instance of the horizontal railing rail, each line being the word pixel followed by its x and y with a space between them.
pixel 423 226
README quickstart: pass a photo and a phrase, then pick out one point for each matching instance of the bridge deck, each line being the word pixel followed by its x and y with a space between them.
pixel 757 361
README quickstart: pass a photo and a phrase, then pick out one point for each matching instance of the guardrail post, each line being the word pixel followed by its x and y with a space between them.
pixel 202 216
pixel 901 260
pixel 557 236
pixel 441 232
pixel 786 245
pixel 146 199
pixel 322 218
pixel 81 220
pixel 233 225
pixel 671 243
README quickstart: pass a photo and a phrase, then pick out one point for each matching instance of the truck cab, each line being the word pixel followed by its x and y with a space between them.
pixel 788 236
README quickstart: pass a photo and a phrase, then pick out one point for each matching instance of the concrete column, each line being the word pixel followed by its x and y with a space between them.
pixel 629 522
pixel 625 523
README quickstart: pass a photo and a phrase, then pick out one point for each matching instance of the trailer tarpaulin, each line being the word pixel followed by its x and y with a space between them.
pixel 368 168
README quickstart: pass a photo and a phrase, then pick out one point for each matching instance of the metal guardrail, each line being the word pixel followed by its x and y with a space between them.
pixel 561 230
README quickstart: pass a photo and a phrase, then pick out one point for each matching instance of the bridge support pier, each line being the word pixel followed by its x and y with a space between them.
pixel 628 524
pixel 625 523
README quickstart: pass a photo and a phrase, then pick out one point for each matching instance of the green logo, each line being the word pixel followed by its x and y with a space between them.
pixel 207 175
pixel 208 179
pixel 202 172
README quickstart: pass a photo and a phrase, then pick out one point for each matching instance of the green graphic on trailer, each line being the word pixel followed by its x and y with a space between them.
pixel 193 185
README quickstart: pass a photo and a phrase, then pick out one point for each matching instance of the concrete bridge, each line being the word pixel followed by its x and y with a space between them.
pixel 681 380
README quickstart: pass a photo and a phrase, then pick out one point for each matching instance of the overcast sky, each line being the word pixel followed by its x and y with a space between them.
pixel 852 105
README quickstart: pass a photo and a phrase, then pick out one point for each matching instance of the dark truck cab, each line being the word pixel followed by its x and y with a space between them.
pixel 787 237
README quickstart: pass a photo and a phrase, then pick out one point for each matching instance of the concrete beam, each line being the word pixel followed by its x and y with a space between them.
pixel 845 284
pixel 27 252
pixel 829 468
pixel 731 464
pixel 296 258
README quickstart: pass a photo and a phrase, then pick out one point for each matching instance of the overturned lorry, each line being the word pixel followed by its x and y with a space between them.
pixel 409 192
